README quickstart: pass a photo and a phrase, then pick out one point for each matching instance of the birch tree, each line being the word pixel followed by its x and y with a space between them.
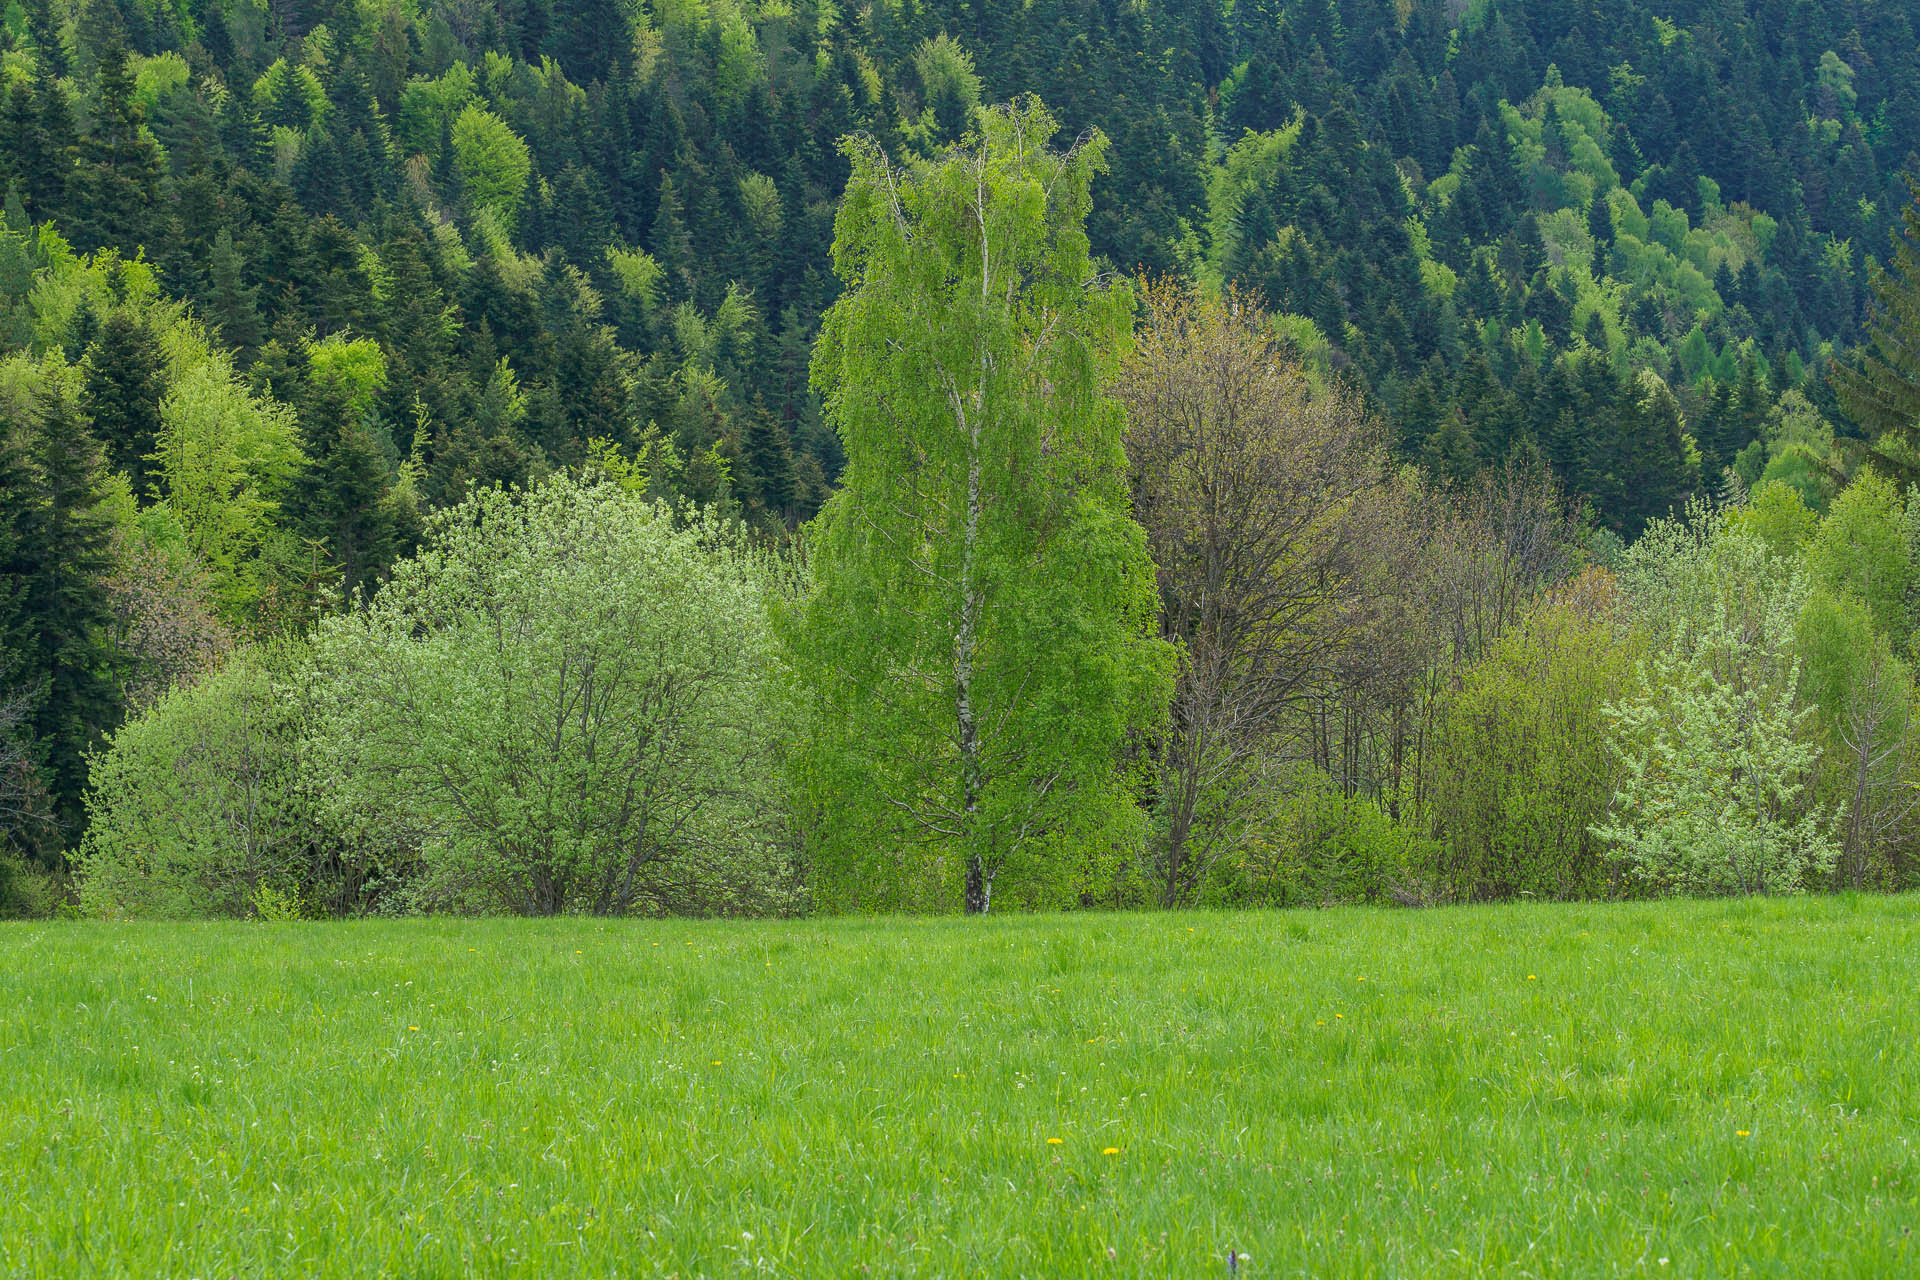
pixel 977 653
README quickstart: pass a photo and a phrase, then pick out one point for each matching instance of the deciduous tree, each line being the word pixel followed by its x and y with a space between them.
pixel 197 805
pixel 977 654
pixel 1247 477
pixel 1716 751
pixel 559 700
pixel 1520 768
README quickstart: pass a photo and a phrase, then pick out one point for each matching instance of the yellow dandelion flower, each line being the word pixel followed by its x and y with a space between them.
pixel 1743 1133
pixel 716 1062
pixel 1109 1151
pixel 413 1028
pixel 1531 978
pixel 1054 1142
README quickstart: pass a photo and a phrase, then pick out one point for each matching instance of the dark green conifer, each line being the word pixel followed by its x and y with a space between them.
pixel 124 386
pixel 62 556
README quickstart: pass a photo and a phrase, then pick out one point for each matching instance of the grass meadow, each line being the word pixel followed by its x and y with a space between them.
pixel 1685 1089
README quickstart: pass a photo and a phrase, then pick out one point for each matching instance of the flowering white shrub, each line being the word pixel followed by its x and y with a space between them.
pixel 1714 745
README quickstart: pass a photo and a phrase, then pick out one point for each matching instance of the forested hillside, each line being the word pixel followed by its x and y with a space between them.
pixel 278 282
pixel 568 221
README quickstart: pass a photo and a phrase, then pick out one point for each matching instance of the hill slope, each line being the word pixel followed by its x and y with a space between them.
pixel 567 221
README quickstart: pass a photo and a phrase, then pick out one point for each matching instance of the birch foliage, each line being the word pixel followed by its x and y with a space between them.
pixel 977 651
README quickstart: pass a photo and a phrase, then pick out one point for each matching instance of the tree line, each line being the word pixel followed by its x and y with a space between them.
pixel 1122 598
pixel 310 272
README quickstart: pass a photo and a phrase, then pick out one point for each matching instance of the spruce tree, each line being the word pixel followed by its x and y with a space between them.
pixel 342 497
pixel 19 135
pixel 17 262
pixel 26 827
pixel 49 54
pixel 1596 332
pixel 672 246
pixel 63 558
pixel 125 381
pixel 1751 403
pixel 1600 226
pixel 766 464
pixel 1715 430
pixel 232 303
pixel 117 183
pixel 1880 386
pixel 48 164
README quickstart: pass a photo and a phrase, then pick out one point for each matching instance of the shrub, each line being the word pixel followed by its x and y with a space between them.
pixel 196 806
pixel 1714 744
pixel 1520 769
pixel 1322 847
pixel 561 703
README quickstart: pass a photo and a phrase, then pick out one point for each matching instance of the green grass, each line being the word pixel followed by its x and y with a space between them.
pixel 1665 1089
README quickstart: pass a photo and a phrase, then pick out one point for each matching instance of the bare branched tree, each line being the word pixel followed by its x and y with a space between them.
pixel 1876 730
pixel 1249 480
pixel 1440 575
pixel 164 631
pixel 26 821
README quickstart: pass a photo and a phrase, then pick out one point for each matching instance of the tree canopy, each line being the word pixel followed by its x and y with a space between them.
pixel 976 653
